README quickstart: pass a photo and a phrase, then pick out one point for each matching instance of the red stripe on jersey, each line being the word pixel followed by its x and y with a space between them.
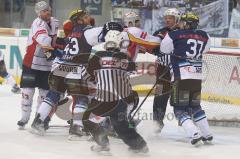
pixel 144 36
pixel 39 32
pixel 28 58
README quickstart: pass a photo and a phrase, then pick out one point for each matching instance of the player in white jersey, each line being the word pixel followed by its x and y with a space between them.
pixel 186 47
pixel 4 74
pixel 36 67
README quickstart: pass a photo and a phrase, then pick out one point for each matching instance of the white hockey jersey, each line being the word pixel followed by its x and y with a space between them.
pixel 138 39
pixel 41 34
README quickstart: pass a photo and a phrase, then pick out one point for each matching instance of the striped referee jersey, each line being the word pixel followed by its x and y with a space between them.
pixel 110 71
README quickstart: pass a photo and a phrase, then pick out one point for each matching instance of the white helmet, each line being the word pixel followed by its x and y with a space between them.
pixel 40 6
pixel 130 17
pixel 113 39
pixel 173 12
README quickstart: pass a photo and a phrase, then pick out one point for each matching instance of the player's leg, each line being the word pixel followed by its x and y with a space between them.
pixel 199 115
pixel 81 104
pixel 57 89
pixel 100 135
pixel 28 85
pixel 161 96
pixel 26 106
pixel 180 100
pixel 10 80
pixel 127 133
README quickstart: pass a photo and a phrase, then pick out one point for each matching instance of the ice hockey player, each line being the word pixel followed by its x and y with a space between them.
pixel 5 75
pixel 67 72
pixel 110 71
pixel 140 42
pixel 186 47
pixel 36 67
pixel 162 90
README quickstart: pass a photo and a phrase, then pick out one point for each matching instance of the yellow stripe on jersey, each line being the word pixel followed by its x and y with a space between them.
pixel 142 42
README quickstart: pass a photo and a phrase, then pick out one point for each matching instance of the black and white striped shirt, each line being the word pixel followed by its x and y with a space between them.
pixel 110 70
pixel 164 60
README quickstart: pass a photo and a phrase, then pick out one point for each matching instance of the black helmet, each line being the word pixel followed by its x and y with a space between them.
pixel 190 19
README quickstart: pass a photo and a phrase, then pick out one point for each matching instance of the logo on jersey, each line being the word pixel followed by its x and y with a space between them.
pixel 111 62
pixel 65 68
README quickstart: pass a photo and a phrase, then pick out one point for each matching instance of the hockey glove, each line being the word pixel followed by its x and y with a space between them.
pixel 51 55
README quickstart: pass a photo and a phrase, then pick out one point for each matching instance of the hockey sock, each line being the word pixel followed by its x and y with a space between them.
pixel 200 120
pixel 49 102
pixel 188 126
pixel 44 109
pixel 27 99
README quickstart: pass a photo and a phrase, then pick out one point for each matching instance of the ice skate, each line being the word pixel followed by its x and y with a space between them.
pixel 16 89
pixel 207 140
pixel 197 140
pixel 102 150
pixel 38 127
pixel 143 150
pixel 77 133
pixel 21 124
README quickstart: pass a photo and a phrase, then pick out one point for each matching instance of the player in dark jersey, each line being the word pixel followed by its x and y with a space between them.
pixel 162 91
pixel 110 69
pixel 186 47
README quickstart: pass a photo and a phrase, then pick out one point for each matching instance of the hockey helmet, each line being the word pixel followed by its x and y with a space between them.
pixel 131 18
pixel 191 20
pixel 41 6
pixel 173 12
pixel 113 39
pixel 77 13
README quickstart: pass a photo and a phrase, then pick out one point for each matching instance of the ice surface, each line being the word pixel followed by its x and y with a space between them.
pixel 170 144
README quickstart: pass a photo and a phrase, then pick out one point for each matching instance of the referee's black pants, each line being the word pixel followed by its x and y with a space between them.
pixel 162 95
pixel 118 116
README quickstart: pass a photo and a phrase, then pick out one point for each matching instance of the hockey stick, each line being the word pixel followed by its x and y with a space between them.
pixel 139 107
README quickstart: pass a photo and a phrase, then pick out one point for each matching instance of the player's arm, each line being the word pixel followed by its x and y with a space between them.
pixel 167 45
pixel 143 39
pixel 92 35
